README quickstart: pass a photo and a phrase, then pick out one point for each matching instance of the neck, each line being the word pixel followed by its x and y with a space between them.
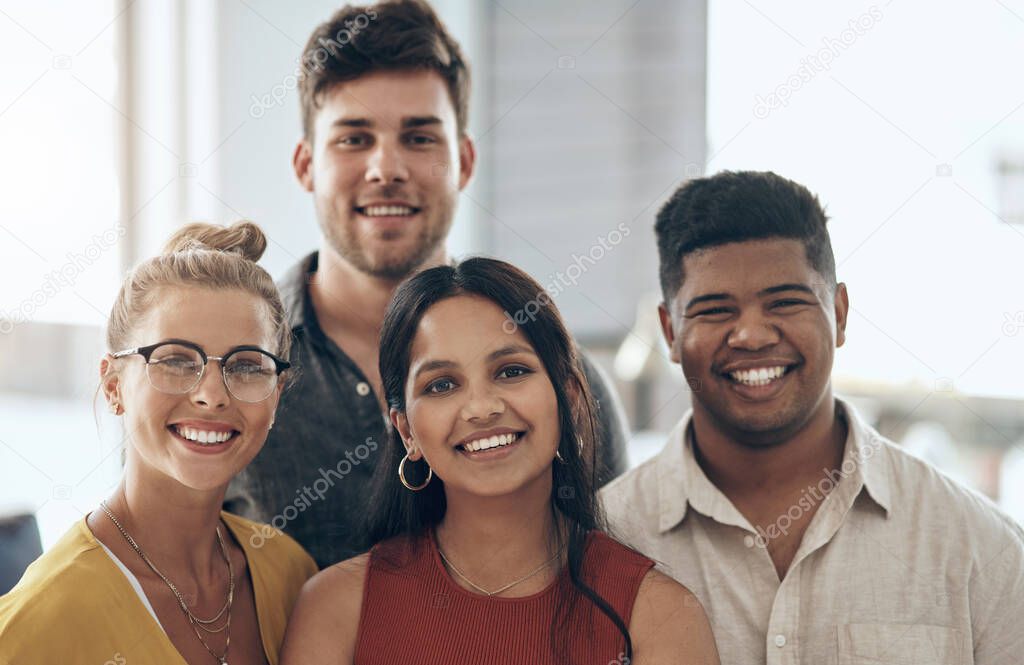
pixel 174 525
pixel 495 539
pixel 742 469
pixel 347 299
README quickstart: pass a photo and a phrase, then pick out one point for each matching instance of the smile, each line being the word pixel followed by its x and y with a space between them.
pixel 487 443
pixel 387 211
pixel 758 376
pixel 203 437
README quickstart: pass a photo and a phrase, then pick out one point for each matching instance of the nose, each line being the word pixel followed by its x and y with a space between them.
pixel 385 164
pixel 482 405
pixel 753 332
pixel 211 391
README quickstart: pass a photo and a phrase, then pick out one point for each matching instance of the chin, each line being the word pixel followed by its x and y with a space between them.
pixel 765 429
pixel 206 475
pixel 204 482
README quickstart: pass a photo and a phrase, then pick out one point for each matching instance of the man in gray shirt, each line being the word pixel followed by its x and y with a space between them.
pixel 385 155
pixel 807 536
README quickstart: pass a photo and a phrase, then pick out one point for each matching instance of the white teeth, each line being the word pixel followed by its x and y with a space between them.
pixel 761 376
pixel 387 211
pixel 491 442
pixel 203 436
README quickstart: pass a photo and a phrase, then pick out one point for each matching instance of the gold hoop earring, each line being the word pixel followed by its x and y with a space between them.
pixel 401 475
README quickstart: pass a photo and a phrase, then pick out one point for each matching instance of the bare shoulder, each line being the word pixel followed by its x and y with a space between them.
pixel 325 622
pixel 669 625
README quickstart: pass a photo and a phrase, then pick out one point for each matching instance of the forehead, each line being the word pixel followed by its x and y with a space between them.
pixel 386 97
pixel 215 319
pixel 744 268
pixel 464 330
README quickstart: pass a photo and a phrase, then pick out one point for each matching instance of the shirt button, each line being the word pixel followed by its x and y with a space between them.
pixel 363 388
pixel 780 640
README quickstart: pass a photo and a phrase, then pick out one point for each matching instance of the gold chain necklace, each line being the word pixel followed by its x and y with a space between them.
pixel 507 586
pixel 193 620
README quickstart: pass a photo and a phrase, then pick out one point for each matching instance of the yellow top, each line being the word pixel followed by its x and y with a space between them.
pixel 74 605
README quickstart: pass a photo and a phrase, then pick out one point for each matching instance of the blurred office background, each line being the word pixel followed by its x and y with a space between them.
pixel 121 120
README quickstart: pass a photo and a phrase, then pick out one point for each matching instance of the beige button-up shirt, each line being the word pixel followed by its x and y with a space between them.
pixel 899 565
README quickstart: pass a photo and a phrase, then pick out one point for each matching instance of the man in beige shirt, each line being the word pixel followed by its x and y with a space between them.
pixel 806 535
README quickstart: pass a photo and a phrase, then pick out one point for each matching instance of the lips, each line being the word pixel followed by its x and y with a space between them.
pixel 204 437
pixel 387 210
pixel 759 382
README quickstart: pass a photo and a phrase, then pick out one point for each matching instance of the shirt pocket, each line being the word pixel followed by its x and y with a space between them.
pixel 899 644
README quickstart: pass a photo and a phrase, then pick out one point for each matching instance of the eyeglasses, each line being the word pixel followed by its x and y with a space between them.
pixel 177 366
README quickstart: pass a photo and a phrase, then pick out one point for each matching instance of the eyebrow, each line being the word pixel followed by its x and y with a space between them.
pixel 779 288
pixel 509 350
pixel 179 340
pixel 407 123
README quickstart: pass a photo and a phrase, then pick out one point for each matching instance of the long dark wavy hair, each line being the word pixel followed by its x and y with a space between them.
pixel 396 511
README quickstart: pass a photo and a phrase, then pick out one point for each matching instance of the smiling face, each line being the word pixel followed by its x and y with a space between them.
pixel 161 427
pixel 755 329
pixel 480 407
pixel 386 164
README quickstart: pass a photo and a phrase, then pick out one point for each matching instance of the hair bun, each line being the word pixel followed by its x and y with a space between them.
pixel 243 238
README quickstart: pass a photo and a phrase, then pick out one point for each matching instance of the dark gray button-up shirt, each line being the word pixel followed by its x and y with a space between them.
pixel 311 478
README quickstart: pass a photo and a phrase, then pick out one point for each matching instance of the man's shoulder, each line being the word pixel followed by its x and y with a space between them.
pixel 635 483
pixel 931 498
pixel 292 287
pixel 633 493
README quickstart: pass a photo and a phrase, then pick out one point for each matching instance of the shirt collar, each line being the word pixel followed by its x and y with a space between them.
pixel 294 288
pixel 682 483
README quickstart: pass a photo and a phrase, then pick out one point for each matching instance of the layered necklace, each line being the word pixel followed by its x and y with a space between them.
pixel 205 625
pixel 508 586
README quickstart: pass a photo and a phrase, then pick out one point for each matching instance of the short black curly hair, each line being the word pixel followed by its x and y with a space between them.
pixel 736 206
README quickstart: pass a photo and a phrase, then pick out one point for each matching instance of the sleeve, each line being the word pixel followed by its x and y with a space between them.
pixel 997 602
pixel 614 432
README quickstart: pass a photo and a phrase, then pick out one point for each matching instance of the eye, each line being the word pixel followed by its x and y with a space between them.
pixel 247 368
pixel 439 387
pixel 788 303
pixel 712 311
pixel 421 139
pixel 352 140
pixel 514 372
pixel 176 362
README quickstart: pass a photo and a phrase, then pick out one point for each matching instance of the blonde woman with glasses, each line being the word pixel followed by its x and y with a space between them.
pixel 157 573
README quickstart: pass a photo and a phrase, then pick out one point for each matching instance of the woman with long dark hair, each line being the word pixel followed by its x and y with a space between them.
pixel 489 544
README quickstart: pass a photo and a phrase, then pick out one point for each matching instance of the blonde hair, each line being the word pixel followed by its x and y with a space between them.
pixel 200 255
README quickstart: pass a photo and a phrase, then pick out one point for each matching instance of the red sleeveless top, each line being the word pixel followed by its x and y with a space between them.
pixel 415 614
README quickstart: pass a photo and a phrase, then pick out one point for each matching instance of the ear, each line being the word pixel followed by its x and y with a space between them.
pixel 467 161
pixel 401 423
pixel 842 305
pixel 110 382
pixel 302 162
pixel 667 331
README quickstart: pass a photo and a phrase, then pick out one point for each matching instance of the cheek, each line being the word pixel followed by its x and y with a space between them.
pixel 430 421
pixel 258 415
pixel 694 348
pixel 541 406
pixel 338 172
